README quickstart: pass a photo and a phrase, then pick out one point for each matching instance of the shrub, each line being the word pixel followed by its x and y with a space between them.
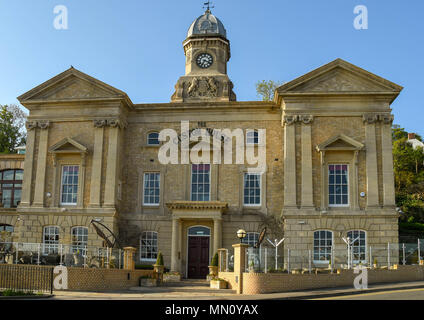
pixel 159 260
pixel 214 262
pixel 143 267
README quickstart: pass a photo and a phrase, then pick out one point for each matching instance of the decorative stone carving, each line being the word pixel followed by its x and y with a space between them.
pixel 202 87
pixel 339 84
pixel 291 119
pixel 306 119
pixel 44 124
pixel 117 123
pixel 370 118
pixel 30 125
pixel 99 123
pixel 386 118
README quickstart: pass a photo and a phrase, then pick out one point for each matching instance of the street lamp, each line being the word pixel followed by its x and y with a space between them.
pixel 241 234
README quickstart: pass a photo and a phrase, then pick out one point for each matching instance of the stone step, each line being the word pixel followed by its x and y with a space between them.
pixel 191 289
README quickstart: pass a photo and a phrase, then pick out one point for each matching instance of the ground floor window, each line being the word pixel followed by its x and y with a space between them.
pixel 149 246
pixel 50 240
pixel 251 239
pixel 359 246
pixel 79 240
pixel 323 242
pixel 6 228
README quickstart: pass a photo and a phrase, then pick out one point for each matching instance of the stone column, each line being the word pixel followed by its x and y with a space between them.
pixel 289 161
pixel 96 169
pixel 371 160
pixel 217 235
pixel 174 245
pixel 40 180
pixel 307 184
pixel 387 161
pixel 112 163
pixel 29 164
pixel 239 265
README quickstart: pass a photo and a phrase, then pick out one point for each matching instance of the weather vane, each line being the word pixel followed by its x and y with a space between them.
pixel 207 6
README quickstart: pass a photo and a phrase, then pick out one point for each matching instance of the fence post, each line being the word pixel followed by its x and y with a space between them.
pixel 419 252
pixel 403 254
pixel 17 252
pixel 39 252
pixel 61 253
pixel 266 260
pixel 388 255
pixel 370 257
pixel 310 261
pixel 288 260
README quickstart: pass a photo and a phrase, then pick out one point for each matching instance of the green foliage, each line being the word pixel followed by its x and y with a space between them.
pixel 266 89
pixel 12 128
pixel 214 262
pixel 159 260
pixel 13 293
pixel 408 167
pixel 143 267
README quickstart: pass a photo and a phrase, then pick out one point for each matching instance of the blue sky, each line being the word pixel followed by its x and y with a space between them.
pixel 136 45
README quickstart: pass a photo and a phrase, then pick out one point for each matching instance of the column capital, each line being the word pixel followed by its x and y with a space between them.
pixel 306 118
pixel 290 119
pixel 370 118
pixel 31 125
pixel 99 123
pixel 117 123
pixel 44 124
pixel 386 118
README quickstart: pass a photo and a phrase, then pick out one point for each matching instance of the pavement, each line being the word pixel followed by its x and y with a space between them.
pixel 398 291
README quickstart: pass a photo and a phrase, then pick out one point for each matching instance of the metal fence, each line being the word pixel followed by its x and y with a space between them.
pixel 60 254
pixel 26 278
pixel 287 258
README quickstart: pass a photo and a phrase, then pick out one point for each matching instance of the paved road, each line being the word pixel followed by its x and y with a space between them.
pixel 407 294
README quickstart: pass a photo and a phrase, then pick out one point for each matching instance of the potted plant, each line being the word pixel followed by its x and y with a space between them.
pixel 213 268
pixel 218 283
pixel 159 266
pixel 375 263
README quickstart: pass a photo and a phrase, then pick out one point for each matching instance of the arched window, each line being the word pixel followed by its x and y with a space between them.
pixel 79 239
pixel 199 231
pixel 11 186
pixel 6 228
pixel 51 239
pixel 323 243
pixel 153 139
pixel 149 245
pixel 251 239
pixel 359 246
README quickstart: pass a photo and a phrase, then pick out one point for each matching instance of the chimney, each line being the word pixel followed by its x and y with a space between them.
pixel 411 136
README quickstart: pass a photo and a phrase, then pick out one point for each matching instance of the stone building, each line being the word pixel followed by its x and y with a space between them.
pixel 93 154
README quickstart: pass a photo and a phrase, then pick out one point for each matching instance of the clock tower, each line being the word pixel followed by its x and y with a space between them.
pixel 207 52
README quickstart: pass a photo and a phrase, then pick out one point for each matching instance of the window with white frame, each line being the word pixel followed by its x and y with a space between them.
pixel 252 189
pixel 338 185
pixel 200 182
pixel 251 239
pixel 149 245
pixel 79 239
pixel 323 242
pixel 359 246
pixel 50 239
pixel 252 137
pixel 69 185
pixel 153 139
pixel 151 193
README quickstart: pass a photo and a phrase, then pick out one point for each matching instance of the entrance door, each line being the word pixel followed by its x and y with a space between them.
pixel 198 257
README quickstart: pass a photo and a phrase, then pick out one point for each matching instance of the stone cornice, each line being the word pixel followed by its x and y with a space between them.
pixel 197 205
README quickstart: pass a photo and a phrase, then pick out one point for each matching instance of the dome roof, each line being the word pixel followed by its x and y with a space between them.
pixel 207 24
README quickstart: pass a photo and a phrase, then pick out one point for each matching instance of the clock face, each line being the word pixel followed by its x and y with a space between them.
pixel 204 60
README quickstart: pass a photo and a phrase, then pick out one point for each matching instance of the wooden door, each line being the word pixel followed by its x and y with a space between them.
pixel 198 257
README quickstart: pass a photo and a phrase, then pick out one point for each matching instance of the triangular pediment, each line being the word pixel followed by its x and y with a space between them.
pixel 68 145
pixel 339 76
pixel 340 142
pixel 71 85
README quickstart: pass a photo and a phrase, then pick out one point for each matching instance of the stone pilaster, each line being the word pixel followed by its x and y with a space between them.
pixel 371 160
pixel 40 181
pixel 96 170
pixel 307 185
pixel 174 245
pixel 217 235
pixel 29 164
pixel 387 161
pixel 289 161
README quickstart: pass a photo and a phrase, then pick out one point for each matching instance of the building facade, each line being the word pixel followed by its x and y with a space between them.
pixel 92 154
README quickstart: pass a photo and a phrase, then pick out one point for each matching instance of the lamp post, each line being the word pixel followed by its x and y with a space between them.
pixel 241 234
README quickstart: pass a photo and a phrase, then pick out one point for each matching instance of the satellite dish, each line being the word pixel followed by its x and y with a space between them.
pixel 261 238
pixel 105 233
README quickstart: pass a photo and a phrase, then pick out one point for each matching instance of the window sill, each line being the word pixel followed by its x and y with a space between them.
pixel 151 206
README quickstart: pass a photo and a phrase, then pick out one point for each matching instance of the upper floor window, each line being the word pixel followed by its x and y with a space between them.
pixel 338 185
pixel 359 245
pixel 149 245
pixel 252 137
pixel 79 239
pixel 323 243
pixel 252 189
pixel 51 239
pixel 151 193
pixel 251 239
pixel 6 228
pixel 200 182
pixel 153 139
pixel 11 186
pixel 69 185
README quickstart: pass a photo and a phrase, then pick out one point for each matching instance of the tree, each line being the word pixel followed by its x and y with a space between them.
pixel 266 89
pixel 12 128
